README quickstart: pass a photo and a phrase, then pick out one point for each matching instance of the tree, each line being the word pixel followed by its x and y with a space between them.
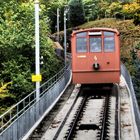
pixel 51 11
pixel 103 6
pixel 76 12
pixel 17 47
pixel 92 9
pixel 114 9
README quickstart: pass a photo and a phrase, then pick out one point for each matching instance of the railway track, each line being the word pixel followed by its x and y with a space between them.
pixel 94 115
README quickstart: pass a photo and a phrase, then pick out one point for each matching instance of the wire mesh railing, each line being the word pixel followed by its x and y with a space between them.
pixel 17 121
pixel 128 79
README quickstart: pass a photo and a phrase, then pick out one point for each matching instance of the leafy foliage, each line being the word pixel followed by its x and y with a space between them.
pixel 3 88
pixel 51 11
pixel 130 9
pixel 114 9
pixel 6 99
pixel 101 9
pixel 76 12
pixel 135 53
pixel 17 48
pixel 92 9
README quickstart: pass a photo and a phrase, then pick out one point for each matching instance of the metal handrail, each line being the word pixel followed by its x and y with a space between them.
pixel 128 79
pixel 18 109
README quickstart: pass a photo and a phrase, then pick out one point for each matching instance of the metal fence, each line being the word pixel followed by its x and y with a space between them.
pixel 128 79
pixel 17 121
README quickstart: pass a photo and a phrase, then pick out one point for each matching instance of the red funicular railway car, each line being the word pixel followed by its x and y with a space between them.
pixel 95 56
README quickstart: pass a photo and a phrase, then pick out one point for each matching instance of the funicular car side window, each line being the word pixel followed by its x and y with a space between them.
pixel 109 42
pixel 95 44
pixel 81 42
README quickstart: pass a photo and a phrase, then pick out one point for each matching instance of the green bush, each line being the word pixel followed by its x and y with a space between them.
pixel 17 49
pixel 114 9
pixel 76 12
pixel 130 9
pixel 137 18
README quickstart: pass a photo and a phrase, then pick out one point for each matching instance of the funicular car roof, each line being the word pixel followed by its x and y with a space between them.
pixel 95 29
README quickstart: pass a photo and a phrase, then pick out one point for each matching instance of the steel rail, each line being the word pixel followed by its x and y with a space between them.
pixel 104 126
pixel 117 115
pixel 64 121
pixel 105 116
pixel 78 113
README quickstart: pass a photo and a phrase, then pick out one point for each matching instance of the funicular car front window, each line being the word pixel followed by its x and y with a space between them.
pixel 95 44
pixel 82 34
pixel 81 45
pixel 109 34
pixel 109 44
pixel 109 41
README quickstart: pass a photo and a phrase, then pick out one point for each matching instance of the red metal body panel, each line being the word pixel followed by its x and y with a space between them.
pixel 82 62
